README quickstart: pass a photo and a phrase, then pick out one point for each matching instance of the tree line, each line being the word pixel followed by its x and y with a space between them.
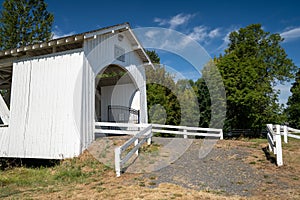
pixel 253 63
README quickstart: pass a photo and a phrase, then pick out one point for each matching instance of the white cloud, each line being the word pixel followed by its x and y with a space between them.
pixel 225 42
pixel 179 20
pixel 199 33
pixel 291 34
pixel 57 33
pixel 174 21
pixel 214 33
pixel 151 34
pixel 202 33
pixel 160 21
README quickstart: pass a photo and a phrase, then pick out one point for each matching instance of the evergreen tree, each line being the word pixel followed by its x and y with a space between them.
pixel 293 109
pixel 24 22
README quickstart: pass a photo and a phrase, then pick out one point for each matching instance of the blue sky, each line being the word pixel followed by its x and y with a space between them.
pixel 208 22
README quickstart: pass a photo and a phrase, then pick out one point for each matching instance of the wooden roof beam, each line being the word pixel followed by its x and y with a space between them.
pixel 61 41
pixel 79 37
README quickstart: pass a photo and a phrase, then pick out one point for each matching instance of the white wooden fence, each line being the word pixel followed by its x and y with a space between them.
pixel 118 128
pixel 132 129
pixel 185 131
pixel 287 132
pixel 144 135
pixel 274 140
pixel 144 132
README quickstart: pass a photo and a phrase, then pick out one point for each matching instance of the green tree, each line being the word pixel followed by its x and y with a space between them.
pixel 24 22
pixel 204 102
pixel 153 56
pixel 293 104
pixel 161 91
pixel 188 100
pixel 252 65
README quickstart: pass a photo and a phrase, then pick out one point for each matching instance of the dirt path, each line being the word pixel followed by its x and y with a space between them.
pixel 231 168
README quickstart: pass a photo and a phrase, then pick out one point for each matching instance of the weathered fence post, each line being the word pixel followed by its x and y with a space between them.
pixel 285 134
pixel 118 161
pixel 278 146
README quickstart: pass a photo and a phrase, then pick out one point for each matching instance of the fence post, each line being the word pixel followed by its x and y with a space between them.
pixel 185 135
pixel 118 161
pixel 278 146
pixel 270 127
pixel 150 136
pixel 221 135
pixel 285 133
pixel 136 142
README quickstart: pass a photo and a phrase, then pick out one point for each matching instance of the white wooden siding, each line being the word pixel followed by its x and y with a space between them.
pixel 3 140
pixel 99 53
pixel 42 123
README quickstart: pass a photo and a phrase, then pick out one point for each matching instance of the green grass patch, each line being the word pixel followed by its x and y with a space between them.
pixel 153 148
pixel 258 140
pixel 19 180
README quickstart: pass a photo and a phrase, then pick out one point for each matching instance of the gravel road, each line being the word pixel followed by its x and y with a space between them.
pixel 221 171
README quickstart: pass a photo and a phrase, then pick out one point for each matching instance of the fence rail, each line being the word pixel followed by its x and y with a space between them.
pixel 144 135
pixel 185 131
pixel 118 128
pixel 286 133
pixel 274 139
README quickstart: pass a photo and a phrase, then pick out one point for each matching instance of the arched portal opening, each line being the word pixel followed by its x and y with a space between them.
pixel 117 97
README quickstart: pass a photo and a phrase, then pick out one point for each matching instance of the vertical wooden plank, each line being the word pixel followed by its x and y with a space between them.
pixel 278 146
pixel 118 161
pixel 136 142
pixel 285 133
pixel 150 137
pixel 221 134
pixel 4 112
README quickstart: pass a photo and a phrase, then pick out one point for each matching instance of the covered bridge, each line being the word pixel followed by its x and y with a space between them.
pixel 55 91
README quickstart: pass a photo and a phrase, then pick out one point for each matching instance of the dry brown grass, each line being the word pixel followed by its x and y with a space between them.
pixel 99 182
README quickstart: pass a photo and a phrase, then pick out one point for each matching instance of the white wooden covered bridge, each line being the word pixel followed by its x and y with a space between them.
pixel 55 91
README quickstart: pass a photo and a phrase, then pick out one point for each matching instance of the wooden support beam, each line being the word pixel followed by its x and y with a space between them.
pixel 61 41
pixel 52 43
pixel 78 37
pixel 27 48
pixel 20 49
pixel 43 45
pixel 70 39
pixel 36 46
pixel 4 112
